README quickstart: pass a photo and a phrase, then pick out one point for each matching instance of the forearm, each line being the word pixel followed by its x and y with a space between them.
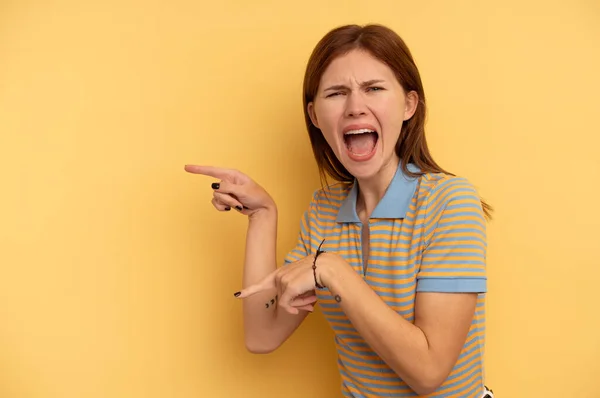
pixel 261 247
pixel 266 324
pixel 399 343
pixel 260 261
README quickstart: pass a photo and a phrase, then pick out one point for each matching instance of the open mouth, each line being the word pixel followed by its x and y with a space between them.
pixel 361 142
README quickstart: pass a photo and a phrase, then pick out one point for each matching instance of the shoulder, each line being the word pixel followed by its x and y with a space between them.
pixel 448 200
pixel 441 182
pixel 441 190
pixel 453 212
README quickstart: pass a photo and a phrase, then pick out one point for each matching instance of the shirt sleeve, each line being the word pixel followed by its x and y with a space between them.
pixel 454 257
pixel 303 243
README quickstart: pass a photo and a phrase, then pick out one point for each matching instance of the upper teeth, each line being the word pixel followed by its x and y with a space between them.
pixel 359 131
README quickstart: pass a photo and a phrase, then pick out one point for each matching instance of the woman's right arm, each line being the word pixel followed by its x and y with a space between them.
pixel 266 326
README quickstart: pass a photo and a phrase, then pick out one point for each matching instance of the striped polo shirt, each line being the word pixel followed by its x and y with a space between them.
pixel 427 234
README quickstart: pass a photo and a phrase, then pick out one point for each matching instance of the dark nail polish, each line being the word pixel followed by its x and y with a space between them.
pixel 239 208
pixel 237 294
pixel 227 208
pixel 215 185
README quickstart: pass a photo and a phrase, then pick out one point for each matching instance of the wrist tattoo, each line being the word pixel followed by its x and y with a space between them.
pixel 271 303
pixel 338 298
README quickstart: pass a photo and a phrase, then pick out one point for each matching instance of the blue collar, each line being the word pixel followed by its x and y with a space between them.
pixel 395 201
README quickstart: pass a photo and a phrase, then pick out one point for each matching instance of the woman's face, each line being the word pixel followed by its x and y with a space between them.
pixel 360 108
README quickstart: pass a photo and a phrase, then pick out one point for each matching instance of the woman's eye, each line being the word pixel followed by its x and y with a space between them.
pixel 334 94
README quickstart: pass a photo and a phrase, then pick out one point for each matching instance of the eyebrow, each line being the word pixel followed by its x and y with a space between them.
pixel 344 87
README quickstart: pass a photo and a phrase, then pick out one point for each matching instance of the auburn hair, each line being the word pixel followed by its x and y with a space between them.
pixel 387 46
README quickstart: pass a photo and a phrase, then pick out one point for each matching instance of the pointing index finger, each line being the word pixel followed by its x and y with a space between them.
pixel 216 172
pixel 266 284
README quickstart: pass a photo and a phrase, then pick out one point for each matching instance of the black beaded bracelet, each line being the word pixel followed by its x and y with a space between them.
pixel 314 267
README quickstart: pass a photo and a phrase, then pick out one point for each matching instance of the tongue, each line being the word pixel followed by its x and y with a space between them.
pixel 361 144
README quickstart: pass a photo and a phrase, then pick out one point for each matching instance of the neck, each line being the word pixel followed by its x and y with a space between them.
pixel 370 191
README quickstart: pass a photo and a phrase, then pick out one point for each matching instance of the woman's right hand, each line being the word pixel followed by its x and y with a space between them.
pixel 235 190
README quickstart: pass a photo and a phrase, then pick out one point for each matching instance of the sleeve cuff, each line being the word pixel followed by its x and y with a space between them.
pixel 452 285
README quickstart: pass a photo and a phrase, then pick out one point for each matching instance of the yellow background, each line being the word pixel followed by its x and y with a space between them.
pixel 117 275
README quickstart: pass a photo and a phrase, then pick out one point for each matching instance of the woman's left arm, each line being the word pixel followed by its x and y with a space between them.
pixel 451 274
pixel 423 353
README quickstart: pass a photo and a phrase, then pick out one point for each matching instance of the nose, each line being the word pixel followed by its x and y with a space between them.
pixel 355 105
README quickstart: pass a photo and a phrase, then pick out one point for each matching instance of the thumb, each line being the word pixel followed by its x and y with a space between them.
pixel 266 284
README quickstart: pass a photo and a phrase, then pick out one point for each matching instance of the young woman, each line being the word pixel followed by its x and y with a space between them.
pixel 394 252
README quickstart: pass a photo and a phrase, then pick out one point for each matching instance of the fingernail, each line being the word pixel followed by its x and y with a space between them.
pixel 227 208
pixel 239 208
pixel 215 185
pixel 237 294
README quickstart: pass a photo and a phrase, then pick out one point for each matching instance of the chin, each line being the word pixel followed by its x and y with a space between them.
pixel 365 171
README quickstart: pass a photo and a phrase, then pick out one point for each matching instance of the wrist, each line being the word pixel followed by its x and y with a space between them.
pixel 330 269
pixel 264 213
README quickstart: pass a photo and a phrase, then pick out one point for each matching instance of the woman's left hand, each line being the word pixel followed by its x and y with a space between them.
pixel 295 283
